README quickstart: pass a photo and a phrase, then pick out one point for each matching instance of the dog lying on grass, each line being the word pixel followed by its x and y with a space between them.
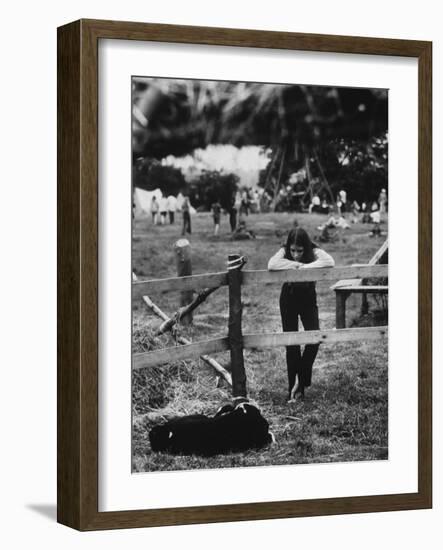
pixel 233 428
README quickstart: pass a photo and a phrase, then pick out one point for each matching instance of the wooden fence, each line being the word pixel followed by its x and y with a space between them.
pixel 344 289
pixel 236 341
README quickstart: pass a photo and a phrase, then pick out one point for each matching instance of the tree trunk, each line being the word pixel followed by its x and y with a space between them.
pixel 308 174
pixel 323 175
pixel 278 182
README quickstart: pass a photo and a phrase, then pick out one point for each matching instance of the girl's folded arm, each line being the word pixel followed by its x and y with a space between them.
pixel 279 262
pixel 322 259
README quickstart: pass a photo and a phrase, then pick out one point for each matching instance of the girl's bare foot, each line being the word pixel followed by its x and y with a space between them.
pixel 296 394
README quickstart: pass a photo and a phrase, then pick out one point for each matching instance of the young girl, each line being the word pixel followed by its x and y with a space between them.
pixel 299 300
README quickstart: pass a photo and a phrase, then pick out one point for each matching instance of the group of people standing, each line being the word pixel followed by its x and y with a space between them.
pixel 169 206
pixel 343 206
pixel 322 206
pixel 163 207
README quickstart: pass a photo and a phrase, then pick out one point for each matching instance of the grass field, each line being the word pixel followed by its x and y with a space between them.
pixel 345 414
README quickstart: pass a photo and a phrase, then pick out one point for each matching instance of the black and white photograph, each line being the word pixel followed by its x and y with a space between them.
pixel 259 274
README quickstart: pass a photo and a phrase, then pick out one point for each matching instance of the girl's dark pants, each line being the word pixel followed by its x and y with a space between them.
pixel 299 300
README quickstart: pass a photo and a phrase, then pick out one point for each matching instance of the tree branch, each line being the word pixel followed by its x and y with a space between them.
pixel 180 313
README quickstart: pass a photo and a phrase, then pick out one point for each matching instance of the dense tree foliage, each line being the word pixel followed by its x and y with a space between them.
pixel 360 168
pixel 212 186
pixel 150 174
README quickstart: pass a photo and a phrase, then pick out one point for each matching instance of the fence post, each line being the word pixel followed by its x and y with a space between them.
pixel 184 267
pixel 235 330
pixel 364 304
pixel 340 309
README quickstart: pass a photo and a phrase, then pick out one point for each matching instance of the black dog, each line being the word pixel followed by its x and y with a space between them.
pixel 232 429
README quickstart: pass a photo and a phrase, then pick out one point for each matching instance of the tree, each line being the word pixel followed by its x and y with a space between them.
pixel 211 186
pixel 358 167
pixel 150 174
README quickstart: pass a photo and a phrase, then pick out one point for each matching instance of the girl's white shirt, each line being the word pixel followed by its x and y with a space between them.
pixel 279 262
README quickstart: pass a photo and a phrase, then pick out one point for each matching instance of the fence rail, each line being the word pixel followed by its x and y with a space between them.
pixel 177 353
pixel 277 339
pixel 209 280
pixel 190 282
pixel 257 341
pixel 313 274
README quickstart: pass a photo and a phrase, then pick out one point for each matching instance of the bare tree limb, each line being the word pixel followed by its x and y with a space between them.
pixel 278 181
pixel 175 318
pixel 322 172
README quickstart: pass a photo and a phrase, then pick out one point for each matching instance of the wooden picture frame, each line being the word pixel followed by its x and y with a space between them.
pixel 77 455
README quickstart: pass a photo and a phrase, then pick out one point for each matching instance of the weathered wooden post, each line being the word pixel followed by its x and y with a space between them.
pixel 235 328
pixel 340 308
pixel 184 267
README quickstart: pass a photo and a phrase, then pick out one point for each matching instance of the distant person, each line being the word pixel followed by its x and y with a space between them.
pixel 298 301
pixel 375 216
pixel 232 215
pixel 154 210
pixel 244 205
pixel 216 212
pixel 383 201
pixel 315 204
pixel 324 208
pixel 251 200
pixel 186 209
pixel 242 233
pixel 172 207
pixel 343 199
pixel 332 228
pixel 339 205
pixel 257 201
pixel 355 208
pixel 342 223
pixel 238 202
pixel 265 201
pixel 163 209
pixel 180 199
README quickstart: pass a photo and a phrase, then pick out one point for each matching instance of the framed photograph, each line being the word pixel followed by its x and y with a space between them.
pixel 238 211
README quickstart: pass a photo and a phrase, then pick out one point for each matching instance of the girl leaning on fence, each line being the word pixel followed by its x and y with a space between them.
pixel 299 301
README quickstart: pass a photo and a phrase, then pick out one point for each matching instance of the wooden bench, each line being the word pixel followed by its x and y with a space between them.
pixel 343 289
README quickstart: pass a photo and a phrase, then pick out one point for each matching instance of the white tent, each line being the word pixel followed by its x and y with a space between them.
pixel 137 208
pixel 142 200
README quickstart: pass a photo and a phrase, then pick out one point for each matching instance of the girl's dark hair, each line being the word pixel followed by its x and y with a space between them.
pixel 299 237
